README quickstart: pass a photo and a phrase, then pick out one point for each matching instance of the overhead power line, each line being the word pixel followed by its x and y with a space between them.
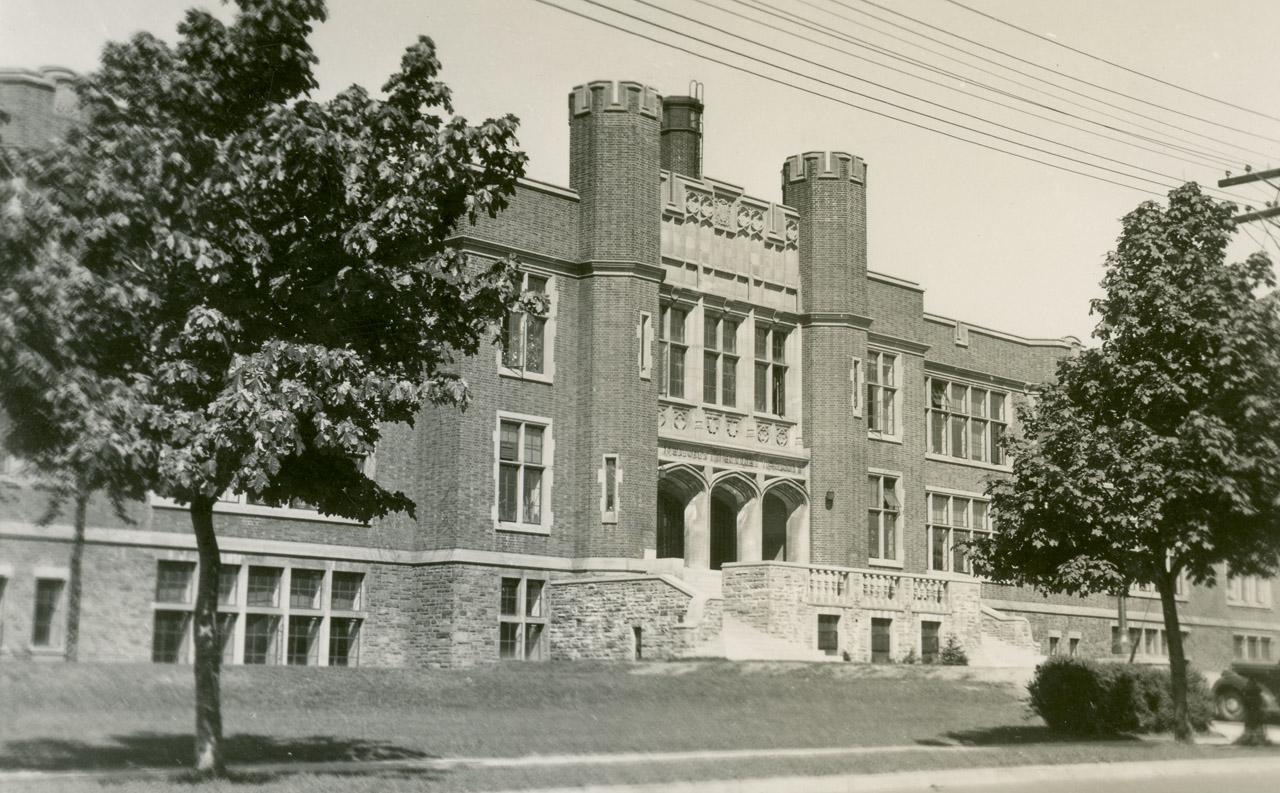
pixel 840 87
pixel 1050 82
pixel 819 94
pixel 1101 59
pixel 882 86
pixel 1223 158
pixel 1173 152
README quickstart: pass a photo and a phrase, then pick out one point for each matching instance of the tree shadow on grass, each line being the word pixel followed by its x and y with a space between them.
pixel 1021 735
pixel 150 750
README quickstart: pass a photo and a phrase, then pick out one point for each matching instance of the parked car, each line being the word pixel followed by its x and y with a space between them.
pixel 1228 692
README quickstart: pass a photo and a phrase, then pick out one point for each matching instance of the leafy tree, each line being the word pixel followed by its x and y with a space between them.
pixel 290 284
pixel 1156 454
pixel 79 430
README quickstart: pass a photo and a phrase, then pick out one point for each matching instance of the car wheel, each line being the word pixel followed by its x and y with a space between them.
pixel 1230 704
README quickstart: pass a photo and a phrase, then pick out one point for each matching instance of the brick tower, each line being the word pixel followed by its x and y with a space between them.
pixel 614 161
pixel 829 191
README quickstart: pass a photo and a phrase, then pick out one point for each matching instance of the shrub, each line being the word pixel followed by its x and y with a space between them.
pixel 952 653
pixel 911 657
pixel 1068 693
pixel 1082 697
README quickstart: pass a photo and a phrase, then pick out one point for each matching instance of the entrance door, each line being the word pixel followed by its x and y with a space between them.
pixel 670 527
pixel 829 633
pixel 881 645
pixel 929 642
pixel 724 531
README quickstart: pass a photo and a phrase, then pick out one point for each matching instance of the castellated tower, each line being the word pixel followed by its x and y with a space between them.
pixel 614 166
pixel 829 191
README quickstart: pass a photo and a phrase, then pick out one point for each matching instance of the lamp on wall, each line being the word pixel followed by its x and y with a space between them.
pixel 831 498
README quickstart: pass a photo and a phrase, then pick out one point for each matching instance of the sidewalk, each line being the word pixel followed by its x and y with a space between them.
pixel 979 768
pixel 1118 774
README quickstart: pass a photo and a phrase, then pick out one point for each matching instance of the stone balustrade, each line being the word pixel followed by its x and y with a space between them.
pixel 840 586
pixel 829 587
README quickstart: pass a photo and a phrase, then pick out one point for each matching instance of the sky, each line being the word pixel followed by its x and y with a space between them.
pixel 995 240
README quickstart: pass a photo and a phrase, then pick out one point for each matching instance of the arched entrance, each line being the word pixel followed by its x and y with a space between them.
pixel 784 524
pixel 734 520
pixel 681 505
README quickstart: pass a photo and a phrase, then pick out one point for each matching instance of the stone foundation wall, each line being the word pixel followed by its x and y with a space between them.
pixel 595 618
pixel 771 597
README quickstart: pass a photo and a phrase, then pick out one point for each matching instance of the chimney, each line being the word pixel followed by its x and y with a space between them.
pixel 682 133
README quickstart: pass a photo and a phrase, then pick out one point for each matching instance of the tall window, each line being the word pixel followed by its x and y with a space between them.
pixel 304 588
pixel 720 361
pixel 1251 648
pixel 174 581
pixel 169 642
pixel 672 350
pixel 952 522
pixel 304 641
pixel 262 639
pixel 883 517
pixel 264 586
pixel 1248 590
pixel 521 467
pixel 966 421
pixel 828 634
pixel 345 591
pixel 48 601
pixel 522 619
pixel 264 622
pixel 771 370
pixel 525 345
pixel 609 489
pixel 645 333
pixel 882 392
pixel 345 595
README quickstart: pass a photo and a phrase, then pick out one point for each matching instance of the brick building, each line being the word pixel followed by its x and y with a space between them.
pixel 727 437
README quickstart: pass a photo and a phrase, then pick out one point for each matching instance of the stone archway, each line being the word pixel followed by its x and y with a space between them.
pixel 682 512
pixel 735 520
pixel 784 523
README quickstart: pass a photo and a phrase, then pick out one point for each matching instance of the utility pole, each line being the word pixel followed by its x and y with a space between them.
pixel 1272 210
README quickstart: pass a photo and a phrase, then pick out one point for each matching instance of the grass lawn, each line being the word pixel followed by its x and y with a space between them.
pixel 92 717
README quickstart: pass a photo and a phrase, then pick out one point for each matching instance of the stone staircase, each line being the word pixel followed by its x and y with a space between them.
pixel 1006 641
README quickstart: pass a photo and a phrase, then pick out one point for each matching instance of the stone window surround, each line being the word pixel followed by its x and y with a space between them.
pixel 240 609
pixel 876 353
pixel 1238 588
pixel 548 473
pixel 969 385
pixel 1240 643
pixel 929 491
pixel 602 476
pixel 644 334
pixel 727 356
pixel 548 373
pixel 899 487
pixel 1144 628
pixel 918 632
pixel 57 628
pixel 789 355
pixel 522 618
pixel 842 640
pixel 696 308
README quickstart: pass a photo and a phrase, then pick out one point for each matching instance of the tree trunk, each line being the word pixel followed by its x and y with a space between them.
pixel 1177 658
pixel 1255 717
pixel 208 660
pixel 73 576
